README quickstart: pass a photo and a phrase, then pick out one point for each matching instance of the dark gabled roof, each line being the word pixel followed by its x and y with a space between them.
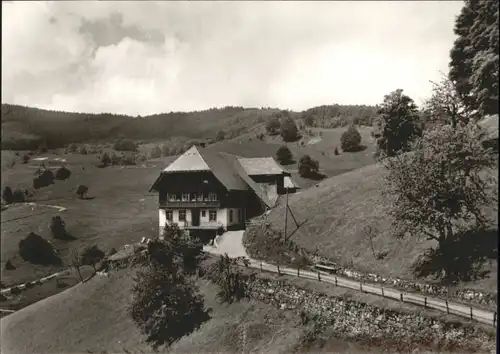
pixel 256 166
pixel 225 167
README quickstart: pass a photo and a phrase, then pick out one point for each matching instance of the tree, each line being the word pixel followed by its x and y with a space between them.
pixel 288 129
pixel 82 150
pixel 90 255
pixel 26 158
pixel 35 249
pixel 284 155
pixel 308 167
pixel 441 186
pixel 336 151
pixel 308 119
pixel 350 140
pixel 221 135
pixel 125 145
pixel 166 304
pixel 7 195
pixel 155 152
pixel 474 58
pixel 72 148
pixel 63 173
pixel 58 228
pixel 75 260
pixel 273 125
pixel 82 190
pixel 18 196
pixel 445 105
pixel 398 124
pixel 231 281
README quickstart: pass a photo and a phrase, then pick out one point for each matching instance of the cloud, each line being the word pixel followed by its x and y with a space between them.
pixel 148 57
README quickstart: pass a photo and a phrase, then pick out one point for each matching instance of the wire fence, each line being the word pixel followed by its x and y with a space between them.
pixel 467 311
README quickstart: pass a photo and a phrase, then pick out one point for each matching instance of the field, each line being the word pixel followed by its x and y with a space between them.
pixel 339 212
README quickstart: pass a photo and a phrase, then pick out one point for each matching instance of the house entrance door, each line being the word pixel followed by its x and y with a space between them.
pixel 195 214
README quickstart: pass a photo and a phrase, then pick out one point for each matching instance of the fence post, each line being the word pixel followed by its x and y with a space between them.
pixel 261 266
pixel 298 272
pixel 319 277
pixel 471 317
pixel 382 291
pixel 278 269
pixel 336 281
pixel 425 302
pixel 360 287
pixel 401 297
pixel 447 308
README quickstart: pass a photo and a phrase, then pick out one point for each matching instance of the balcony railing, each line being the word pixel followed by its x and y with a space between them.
pixel 208 225
pixel 190 204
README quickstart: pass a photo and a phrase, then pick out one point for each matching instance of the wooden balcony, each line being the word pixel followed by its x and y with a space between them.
pixel 208 225
pixel 190 204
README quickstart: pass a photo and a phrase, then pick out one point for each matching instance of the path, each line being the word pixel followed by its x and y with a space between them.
pixel 231 243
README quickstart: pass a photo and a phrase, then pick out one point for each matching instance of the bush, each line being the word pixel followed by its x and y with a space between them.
pixel 308 167
pixel 58 228
pixel 72 148
pixel 63 173
pixel 350 139
pixel 82 190
pixel 37 250
pixel 284 155
pixel 127 160
pixel 46 178
pixel 91 255
pixel 231 281
pixel 155 153
pixel 19 196
pixel 26 158
pixel 105 159
pixel 336 151
pixel 7 196
pixel 9 265
pixel 82 150
pixel 273 126
pixel 125 145
pixel 221 135
pixel 289 130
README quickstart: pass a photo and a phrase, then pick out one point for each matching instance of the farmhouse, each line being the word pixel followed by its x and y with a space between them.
pixel 209 191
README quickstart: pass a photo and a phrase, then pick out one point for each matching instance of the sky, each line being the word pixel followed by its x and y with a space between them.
pixel 141 58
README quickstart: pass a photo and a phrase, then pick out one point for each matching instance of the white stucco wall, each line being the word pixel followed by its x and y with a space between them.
pixel 222 217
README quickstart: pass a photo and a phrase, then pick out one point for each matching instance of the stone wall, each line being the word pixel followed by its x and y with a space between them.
pixel 354 320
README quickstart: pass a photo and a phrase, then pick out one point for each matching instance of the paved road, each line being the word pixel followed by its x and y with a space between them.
pixel 232 243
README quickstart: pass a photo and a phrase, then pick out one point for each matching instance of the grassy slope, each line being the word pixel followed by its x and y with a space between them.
pixel 92 317
pixel 338 210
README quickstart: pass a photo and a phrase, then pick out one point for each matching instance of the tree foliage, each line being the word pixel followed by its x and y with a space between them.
pixel 350 140
pixel 440 188
pixel 233 285
pixel 7 195
pixel 58 228
pixel 273 126
pixel 398 124
pixel 308 167
pixel 35 249
pixel 45 178
pixel 90 255
pixel 284 155
pixel 125 145
pixel 82 190
pixel 166 304
pixel 62 173
pixel 474 63
pixel 288 129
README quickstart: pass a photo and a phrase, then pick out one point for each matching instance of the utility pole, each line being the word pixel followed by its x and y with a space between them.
pixel 286 213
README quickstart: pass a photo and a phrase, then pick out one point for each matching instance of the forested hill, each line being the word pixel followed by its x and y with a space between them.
pixel 28 128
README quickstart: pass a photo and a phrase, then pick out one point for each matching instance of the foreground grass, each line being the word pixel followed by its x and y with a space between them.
pixel 337 213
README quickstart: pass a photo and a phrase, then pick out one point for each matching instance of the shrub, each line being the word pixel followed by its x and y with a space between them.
pixel 155 152
pixel 7 196
pixel 105 159
pixel 82 150
pixel 125 145
pixel 63 173
pixel 91 255
pixel 45 178
pixel 231 281
pixel 336 151
pixel 308 167
pixel 289 130
pixel 26 158
pixel 9 265
pixel 82 190
pixel 19 196
pixel 72 148
pixel 273 126
pixel 58 228
pixel 221 135
pixel 37 250
pixel 284 155
pixel 350 139
pixel 128 160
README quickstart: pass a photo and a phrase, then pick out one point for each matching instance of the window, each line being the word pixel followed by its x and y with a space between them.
pixel 212 215
pixel 200 197
pixel 169 215
pixel 203 213
pixel 212 196
pixel 185 197
pixel 231 215
pixel 171 197
pixel 182 215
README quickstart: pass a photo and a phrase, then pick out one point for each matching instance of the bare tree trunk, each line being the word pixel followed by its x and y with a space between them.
pixel 79 274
